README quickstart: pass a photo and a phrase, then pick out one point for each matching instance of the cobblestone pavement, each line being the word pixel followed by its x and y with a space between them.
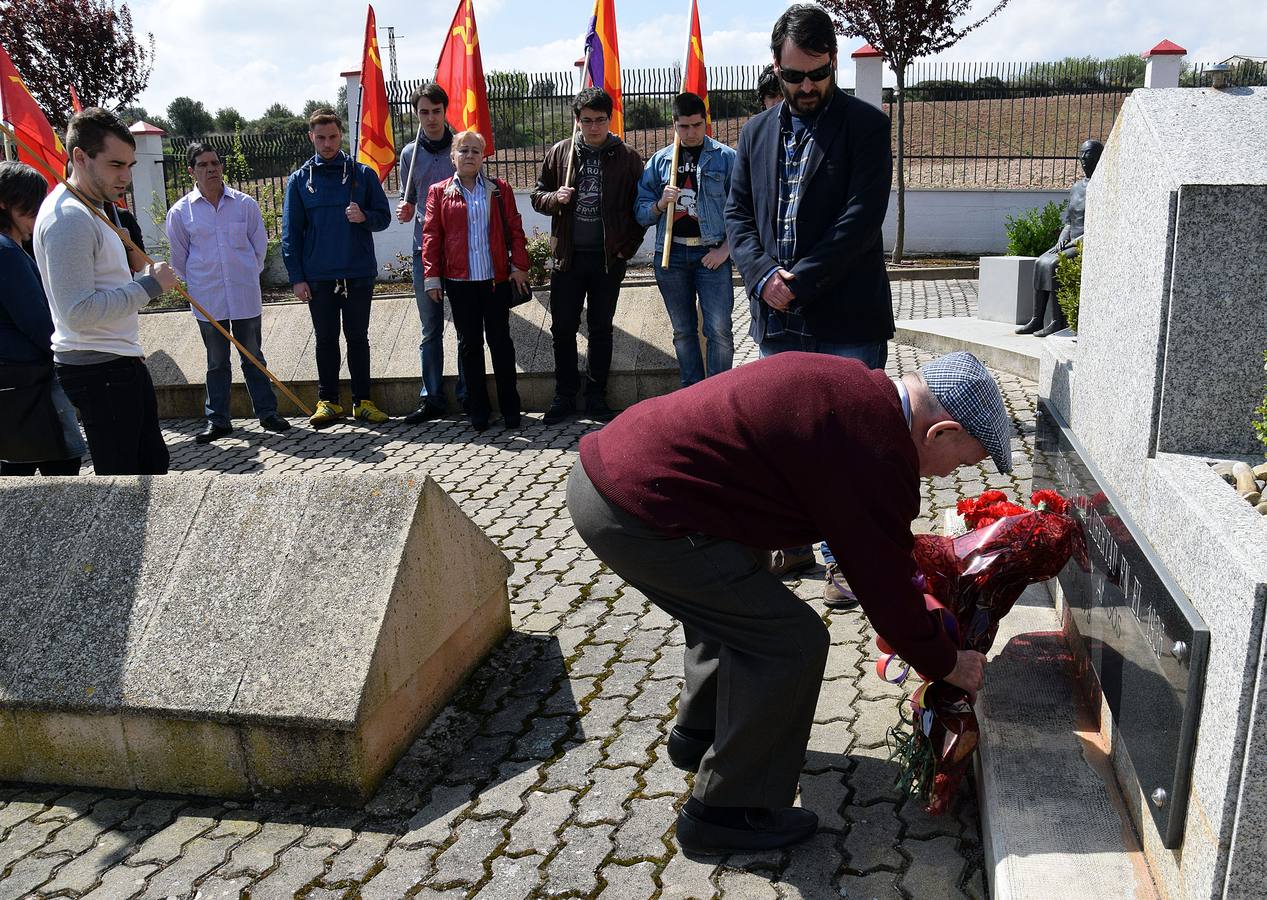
pixel 547 775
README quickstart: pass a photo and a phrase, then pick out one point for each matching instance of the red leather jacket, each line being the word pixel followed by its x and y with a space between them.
pixel 444 248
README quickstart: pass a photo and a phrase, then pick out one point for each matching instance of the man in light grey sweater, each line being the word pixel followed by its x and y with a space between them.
pixel 94 300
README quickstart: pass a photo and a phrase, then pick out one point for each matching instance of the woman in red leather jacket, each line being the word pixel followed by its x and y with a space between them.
pixel 474 250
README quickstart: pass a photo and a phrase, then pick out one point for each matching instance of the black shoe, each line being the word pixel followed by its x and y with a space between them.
pixel 511 422
pixel 424 413
pixel 1031 326
pixel 479 424
pixel 597 409
pixel 212 431
pixel 686 750
pixel 274 423
pixel 748 831
pixel 559 410
pixel 1056 325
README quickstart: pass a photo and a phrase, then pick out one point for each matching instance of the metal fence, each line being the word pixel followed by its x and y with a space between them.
pixel 967 125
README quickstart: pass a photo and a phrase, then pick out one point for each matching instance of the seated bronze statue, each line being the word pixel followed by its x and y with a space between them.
pixel 1067 245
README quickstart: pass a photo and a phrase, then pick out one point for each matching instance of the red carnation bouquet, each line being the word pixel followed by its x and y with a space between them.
pixel 972 581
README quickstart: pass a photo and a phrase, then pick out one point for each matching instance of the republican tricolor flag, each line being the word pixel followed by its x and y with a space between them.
pixel 374 146
pixel 604 59
pixel 19 109
pixel 694 79
pixel 461 73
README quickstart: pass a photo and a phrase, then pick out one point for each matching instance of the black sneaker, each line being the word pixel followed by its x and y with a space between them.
pixel 274 423
pixel 212 431
pixel 560 409
pixel 597 409
pixel 424 413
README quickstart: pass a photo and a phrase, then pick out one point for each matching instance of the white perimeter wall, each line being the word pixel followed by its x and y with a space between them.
pixel 937 221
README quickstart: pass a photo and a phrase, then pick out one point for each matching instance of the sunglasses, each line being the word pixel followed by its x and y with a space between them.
pixel 796 76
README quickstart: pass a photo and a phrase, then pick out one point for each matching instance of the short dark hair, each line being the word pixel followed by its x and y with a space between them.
pixel 87 130
pixel 592 98
pixel 197 149
pixel 809 28
pixel 432 92
pixel 324 115
pixel 22 190
pixel 688 104
pixel 768 84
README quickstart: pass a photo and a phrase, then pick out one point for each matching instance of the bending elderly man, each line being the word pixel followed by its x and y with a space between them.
pixel 681 495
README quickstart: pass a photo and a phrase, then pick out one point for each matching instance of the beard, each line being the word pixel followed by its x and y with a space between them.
pixel 801 102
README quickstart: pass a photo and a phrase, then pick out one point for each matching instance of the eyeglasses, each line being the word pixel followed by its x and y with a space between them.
pixel 601 120
pixel 796 76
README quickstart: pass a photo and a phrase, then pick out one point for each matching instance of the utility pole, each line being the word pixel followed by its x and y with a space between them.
pixel 391 49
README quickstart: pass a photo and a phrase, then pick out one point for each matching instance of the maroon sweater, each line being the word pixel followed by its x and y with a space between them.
pixel 779 453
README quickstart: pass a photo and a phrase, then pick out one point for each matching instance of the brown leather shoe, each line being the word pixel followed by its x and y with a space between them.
pixel 836 593
pixel 785 562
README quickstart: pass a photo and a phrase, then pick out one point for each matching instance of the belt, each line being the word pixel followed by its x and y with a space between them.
pixel 694 242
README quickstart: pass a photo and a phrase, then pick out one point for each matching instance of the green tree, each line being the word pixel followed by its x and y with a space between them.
pixel 279 111
pixel 229 119
pixel 189 117
pixel 236 168
pixel 313 105
pixel 87 43
pixel 132 114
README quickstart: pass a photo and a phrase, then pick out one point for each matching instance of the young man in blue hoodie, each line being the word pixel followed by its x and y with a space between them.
pixel 333 206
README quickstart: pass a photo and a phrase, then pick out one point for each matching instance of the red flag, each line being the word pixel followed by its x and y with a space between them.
pixel 74 99
pixel 29 123
pixel 695 80
pixel 604 60
pixel 375 146
pixel 461 73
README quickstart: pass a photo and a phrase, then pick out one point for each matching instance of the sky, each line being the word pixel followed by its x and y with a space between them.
pixel 248 55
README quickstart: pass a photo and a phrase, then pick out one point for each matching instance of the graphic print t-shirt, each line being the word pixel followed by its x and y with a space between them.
pixel 686 212
pixel 588 231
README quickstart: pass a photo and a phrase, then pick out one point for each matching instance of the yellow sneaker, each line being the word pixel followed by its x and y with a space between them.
pixel 327 413
pixel 366 411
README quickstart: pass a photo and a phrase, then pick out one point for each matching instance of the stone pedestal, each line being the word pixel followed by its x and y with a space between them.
pixel 234 636
pixel 1166 371
pixel 1006 289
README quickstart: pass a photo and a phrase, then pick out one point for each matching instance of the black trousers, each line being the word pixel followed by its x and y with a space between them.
pixel 119 412
pixel 351 308
pixel 481 310
pixel 592 285
pixel 48 467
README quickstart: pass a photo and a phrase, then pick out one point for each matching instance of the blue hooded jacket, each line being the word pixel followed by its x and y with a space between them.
pixel 318 241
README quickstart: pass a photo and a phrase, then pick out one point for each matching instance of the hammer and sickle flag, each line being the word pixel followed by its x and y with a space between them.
pixel 461 73
pixel 375 146
pixel 694 78
pixel 20 110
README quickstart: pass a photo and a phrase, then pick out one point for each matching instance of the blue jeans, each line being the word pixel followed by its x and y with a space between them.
pixel 431 349
pixel 684 279
pixel 874 353
pixel 220 372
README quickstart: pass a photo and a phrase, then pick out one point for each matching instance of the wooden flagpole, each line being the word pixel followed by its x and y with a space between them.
pixel 576 125
pixel 677 145
pixel 127 242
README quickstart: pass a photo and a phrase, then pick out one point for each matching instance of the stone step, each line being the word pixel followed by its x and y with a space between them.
pixel 994 343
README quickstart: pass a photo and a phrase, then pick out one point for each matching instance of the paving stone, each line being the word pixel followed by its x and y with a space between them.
pixel 634 742
pixel 257 854
pixel 18 811
pixel 166 845
pixel 513 879
pixel 836 701
pixel 237 827
pixel 121 883
pixel 641 835
pixel 433 823
pixel 872 776
pixel 636 882
pixel 199 857
pixel 604 801
pixel 29 873
pixel 687 879
pixel 402 869
pixel 68 807
pixel 662 777
pixel 599 721
pixel 506 794
pixel 81 873
pixel 574 867
pixel 296 867
pixel 833 740
pixel 741 885
pixel 545 735
pixel 655 699
pixel 353 863
pixel 25 837
pixel 593 660
pixel 463 861
pixel 544 816
pixel 83 832
pixel 920 824
pixel 878 886
pixel 811 868
pixel 873 838
pixel 935 868
pixel 217 888
pixel 335 838
pixel 825 794
pixel 572 768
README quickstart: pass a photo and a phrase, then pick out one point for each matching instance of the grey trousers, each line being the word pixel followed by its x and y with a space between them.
pixel 755 652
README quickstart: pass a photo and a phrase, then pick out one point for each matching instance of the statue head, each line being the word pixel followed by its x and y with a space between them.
pixel 1089 156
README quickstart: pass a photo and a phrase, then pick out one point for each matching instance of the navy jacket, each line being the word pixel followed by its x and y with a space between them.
pixel 318 241
pixel 841 283
pixel 26 325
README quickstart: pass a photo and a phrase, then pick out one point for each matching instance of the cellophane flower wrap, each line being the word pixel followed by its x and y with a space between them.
pixel 972 581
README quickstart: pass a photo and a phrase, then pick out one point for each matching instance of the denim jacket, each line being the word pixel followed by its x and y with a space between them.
pixel 715 164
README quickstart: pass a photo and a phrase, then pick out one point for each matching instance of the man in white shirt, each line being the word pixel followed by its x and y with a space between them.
pixel 218 245
pixel 94 301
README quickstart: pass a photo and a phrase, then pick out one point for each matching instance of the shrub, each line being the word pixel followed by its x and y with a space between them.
pixel 1069 286
pixel 1035 232
pixel 643 114
pixel 539 256
pixel 1260 423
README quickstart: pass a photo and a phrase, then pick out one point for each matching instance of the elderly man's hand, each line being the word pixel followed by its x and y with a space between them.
pixel 969 672
pixel 777 290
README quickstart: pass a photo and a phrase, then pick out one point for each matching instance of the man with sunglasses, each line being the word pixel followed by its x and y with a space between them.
pixel 587 186
pixel 808 198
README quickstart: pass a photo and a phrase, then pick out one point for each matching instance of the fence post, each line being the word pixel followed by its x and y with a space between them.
pixel 354 105
pixel 868 78
pixel 1164 62
pixel 148 186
